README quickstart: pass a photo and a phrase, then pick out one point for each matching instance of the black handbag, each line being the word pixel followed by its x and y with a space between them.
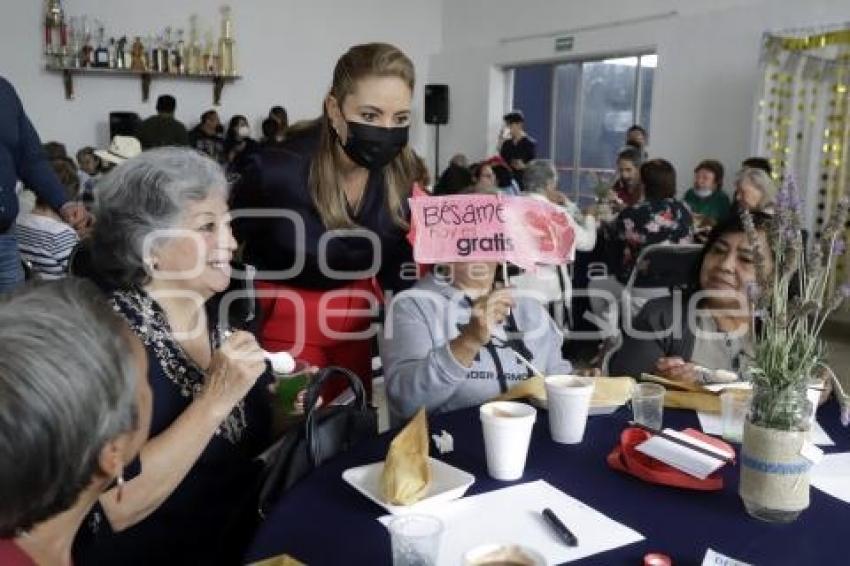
pixel 325 432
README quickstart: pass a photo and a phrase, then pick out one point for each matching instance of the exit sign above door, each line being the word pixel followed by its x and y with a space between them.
pixel 564 43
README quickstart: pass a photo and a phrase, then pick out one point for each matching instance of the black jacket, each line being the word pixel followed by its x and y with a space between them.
pixel 277 178
pixel 22 157
pixel 673 337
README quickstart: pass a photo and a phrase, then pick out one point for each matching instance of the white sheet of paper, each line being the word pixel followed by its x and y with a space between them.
pixel 819 436
pixel 832 476
pixel 681 457
pixel 515 515
pixel 713 558
pixel 712 423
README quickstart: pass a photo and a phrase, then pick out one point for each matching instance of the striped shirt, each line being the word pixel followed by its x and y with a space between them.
pixel 46 243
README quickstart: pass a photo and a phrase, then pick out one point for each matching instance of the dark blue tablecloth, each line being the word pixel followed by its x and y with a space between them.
pixel 324 521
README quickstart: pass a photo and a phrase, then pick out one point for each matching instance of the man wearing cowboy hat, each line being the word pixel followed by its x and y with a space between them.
pixel 120 149
pixel 22 158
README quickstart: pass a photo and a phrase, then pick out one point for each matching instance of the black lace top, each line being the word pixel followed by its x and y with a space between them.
pixel 215 503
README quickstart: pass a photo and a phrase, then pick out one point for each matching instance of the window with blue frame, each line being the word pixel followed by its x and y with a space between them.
pixel 579 112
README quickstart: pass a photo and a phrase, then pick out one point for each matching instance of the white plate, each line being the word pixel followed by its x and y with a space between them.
pixel 447 484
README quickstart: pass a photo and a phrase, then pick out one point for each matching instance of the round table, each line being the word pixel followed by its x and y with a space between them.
pixel 323 520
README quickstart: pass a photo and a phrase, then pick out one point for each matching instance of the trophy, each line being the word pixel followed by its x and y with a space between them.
pixel 167 47
pixel 87 51
pixel 75 44
pixel 112 50
pixel 179 55
pixel 137 55
pixel 121 56
pixel 193 64
pixel 226 43
pixel 55 34
pixel 208 59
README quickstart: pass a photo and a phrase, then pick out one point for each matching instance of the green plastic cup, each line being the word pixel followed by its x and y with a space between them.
pixel 290 384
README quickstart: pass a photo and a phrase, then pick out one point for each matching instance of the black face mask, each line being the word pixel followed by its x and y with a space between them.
pixel 373 147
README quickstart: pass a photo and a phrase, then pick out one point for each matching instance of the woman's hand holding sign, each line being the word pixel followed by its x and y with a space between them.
pixel 488 311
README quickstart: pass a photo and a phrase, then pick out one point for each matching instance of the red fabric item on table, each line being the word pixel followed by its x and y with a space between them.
pixel 280 319
pixel 626 458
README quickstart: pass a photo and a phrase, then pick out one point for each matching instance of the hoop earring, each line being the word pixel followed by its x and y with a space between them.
pixel 120 481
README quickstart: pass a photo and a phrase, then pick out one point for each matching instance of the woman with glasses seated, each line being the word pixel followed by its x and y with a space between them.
pixel 454 341
pixel 688 338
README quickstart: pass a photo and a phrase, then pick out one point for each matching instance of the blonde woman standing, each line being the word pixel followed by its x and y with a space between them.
pixel 343 182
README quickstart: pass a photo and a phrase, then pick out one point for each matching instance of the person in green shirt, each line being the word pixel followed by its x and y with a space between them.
pixel 706 198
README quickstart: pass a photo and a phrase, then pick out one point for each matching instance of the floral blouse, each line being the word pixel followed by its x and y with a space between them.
pixel 651 222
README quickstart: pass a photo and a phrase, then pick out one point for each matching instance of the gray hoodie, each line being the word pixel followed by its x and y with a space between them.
pixel 420 369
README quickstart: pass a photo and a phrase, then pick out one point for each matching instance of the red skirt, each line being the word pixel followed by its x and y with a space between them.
pixel 323 328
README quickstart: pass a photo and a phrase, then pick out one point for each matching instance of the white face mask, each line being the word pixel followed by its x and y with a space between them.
pixel 244 131
pixel 703 193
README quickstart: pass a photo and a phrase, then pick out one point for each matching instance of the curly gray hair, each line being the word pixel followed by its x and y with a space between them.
pixel 145 194
pixel 67 387
pixel 760 180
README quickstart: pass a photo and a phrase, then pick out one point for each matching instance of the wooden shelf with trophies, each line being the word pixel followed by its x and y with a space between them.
pixel 71 48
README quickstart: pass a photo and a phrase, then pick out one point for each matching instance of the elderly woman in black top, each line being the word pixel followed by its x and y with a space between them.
pixel 163 244
pixel 682 337
pixel 75 408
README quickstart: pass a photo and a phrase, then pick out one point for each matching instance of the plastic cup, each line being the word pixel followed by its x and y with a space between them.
pixel 648 404
pixel 733 410
pixel 290 384
pixel 500 554
pixel 507 432
pixel 568 398
pixel 415 540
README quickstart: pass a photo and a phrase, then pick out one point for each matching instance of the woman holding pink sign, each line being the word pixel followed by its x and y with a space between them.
pixel 455 341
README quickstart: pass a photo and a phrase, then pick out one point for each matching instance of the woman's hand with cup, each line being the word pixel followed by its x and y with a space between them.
pixel 233 371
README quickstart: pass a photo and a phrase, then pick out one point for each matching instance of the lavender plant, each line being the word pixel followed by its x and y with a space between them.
pixel 793 302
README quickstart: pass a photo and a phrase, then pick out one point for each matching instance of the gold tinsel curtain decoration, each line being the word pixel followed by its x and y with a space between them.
pixel 802 118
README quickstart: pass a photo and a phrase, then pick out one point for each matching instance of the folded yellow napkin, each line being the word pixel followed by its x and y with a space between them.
pixel 281 560
pixel 407 471
pixel 607 391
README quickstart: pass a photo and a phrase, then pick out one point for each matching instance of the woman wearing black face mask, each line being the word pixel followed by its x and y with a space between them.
pixel 351 170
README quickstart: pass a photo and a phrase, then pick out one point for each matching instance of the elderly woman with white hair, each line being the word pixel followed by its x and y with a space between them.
pixel 754 190
pixel 552 283
pixel 75 409
pixel 163 245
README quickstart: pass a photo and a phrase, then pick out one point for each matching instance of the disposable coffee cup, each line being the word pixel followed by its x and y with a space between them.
pixel 568 399
pixel 503 555
pixel 507 432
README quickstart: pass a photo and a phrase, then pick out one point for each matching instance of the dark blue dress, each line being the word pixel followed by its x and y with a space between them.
pixel 210 516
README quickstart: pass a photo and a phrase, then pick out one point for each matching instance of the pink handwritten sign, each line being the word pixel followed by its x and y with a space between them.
pixel 465 228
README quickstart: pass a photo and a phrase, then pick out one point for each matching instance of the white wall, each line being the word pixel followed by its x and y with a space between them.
pixel 286 50
pixel 704 86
